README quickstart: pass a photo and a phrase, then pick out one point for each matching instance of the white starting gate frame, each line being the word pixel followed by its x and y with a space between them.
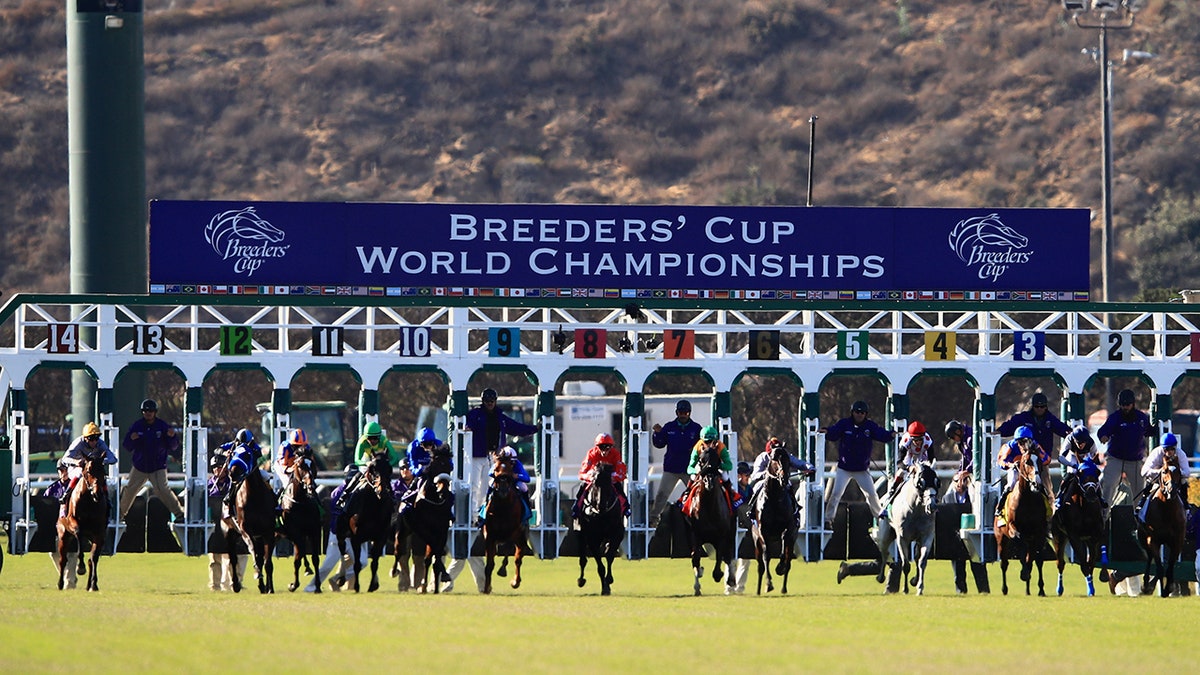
pixel 458 337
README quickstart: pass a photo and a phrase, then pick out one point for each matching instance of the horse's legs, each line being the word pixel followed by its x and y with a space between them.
pixel 93 580
pixel 520 553
pixel 1037 560
pixel 605 570
pixel 490 565
pixel 61 563
pixel 355 547
pixel 376 551
pixel 503 571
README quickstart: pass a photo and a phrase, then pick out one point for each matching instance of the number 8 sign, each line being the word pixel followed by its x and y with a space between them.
pixel 590 343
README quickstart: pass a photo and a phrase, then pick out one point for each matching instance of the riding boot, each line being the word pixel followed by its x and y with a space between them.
pixel 1000 502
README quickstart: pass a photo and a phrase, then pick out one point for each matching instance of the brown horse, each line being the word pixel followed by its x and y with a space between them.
pixel 86 520
pixel 1161 532
pixel 422 528
pixel 301 522
pixel 601 527
pixel 504 522
pixel 252 521
pixel 1025 517
pixel 710 521
pixel 774 522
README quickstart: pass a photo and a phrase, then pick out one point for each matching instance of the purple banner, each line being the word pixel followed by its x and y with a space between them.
pixel 696 251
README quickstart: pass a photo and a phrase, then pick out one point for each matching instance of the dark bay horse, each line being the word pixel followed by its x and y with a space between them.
pixel 774 522
pixel 1025 518
pixel 252 521
pixel 1080 521
pixel 368 519
pixel 504 522
pixel 911 525
pixel 301 523
pixel 86 520
pixel 601 527
pixel 425 526
pixel 710 520
pixel 1161 532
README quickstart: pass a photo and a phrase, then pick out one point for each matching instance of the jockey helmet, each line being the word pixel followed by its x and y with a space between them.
pixel 709 433
pixel 149 405
pixel 1038 399
pixel 404 464
pixel 605 439
pixel 1024 431
pixel 351 471
pixel 372 429
pixel 298 437
pixel 953 427
pixel 489 394
pixel 916 429
pixel 443 478
pixel 426 435
pixel 743 468
pixel 91 429
pixel 1081 435
pixel 859 406
pixel 507 451
pixel 683 406
pixel 1125 397
pixel 1170 440
pixel 215 462
pixel 244 436
pixel 62 464
pixel 774 442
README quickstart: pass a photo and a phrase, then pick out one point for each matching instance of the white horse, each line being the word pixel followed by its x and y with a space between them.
pixel 912 519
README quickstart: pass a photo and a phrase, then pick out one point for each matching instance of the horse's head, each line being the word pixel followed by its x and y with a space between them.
pixel 927 483
pixel 709 464
pixel 503 479
pixel 438 488
pixel 379 473
pixel 303 476
pixel 600 488
pixel 1029 468
pixel 779 467
pixel 1169 480
pixel 93 473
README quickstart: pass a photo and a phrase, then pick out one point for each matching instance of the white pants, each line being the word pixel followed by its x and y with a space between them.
pixel 662 494
pixel 1110 478
pixel 332 557
pixel 478 567
pixel 833 495
pixel 72 563
pixel 158 485
pixel 219 578
pixel 481 469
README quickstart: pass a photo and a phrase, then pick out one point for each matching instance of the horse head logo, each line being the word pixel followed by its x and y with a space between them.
pixel 242 224
pixel 986 231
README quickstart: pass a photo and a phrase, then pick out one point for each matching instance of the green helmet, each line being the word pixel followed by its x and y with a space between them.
pixel 372 429
pixel 709 434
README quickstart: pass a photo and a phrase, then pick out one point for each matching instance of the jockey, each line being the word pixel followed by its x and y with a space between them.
pixel 372 441
pixel 420 451
pixel 758 472
pixel 1080 460
pixel 333 554
pixel 295 447
pixel 1010 454
pixel 244 456
pixel 604 451
pixel 58 488
pixel 709 438
pixel 915 443
pixel 521 482
pixel 1154 464
pixel 88 445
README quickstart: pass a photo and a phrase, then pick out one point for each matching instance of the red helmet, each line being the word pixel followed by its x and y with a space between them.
pixel 604 439
pixel 298 437
pixel 916 429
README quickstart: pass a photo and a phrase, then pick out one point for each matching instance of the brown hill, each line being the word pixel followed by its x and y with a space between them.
pixel 668 101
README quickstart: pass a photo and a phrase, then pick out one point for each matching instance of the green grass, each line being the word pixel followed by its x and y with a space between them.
pixel 154 613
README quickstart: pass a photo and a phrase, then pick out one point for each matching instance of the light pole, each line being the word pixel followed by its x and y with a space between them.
pixel 1103 15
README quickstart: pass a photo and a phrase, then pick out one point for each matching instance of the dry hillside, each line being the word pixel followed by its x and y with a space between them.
pixel 670 101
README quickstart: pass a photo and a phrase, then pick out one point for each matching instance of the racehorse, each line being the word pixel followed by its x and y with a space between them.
pixel 1080 521
pixel 710 520
pixel 912 524
pixel 86 520
pixel 301 523
pixel 368 518
pixel 252 521
pixel 504 522
pixel 601 527
pixel 774 521
pixel 427 524
pixel 1024 517
pixel 1162 531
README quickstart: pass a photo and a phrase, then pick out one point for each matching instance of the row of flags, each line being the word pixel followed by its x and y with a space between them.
pixel 627 293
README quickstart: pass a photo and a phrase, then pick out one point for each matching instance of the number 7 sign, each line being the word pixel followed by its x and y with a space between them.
pixel 679 344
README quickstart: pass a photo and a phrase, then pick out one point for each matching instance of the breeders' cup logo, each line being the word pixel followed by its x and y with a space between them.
pixel 989 245
pixel 245 238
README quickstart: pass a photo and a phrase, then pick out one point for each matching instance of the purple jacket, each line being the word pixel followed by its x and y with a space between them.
pixel 855 442
pixel 678 440
pixel 1044 429
pixel 477 422
pixel 1126 438
pixel 150 450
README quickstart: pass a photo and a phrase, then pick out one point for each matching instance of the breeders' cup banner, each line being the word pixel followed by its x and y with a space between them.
pixel 560 250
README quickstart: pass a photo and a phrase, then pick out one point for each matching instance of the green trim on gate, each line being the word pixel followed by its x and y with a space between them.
pixel 281 401
pixel 1161 408
pixel 18 399
pixel 985 409
pixel 104 401
pixel 368 404
pixel 722 405
pixel 460 403
pixel 193 400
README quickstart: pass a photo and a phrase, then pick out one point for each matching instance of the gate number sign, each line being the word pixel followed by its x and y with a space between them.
pixel 236 341
pixel 590 343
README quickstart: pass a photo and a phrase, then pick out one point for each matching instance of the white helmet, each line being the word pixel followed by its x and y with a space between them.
pixel 508 451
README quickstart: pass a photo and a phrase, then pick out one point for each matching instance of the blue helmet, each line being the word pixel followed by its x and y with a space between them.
pixel 1024 431
pixel 244 436
pixel 426 435
pixel 1170 440
pixel 1081 435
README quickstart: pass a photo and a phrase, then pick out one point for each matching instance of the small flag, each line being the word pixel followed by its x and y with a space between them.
pixel 158 288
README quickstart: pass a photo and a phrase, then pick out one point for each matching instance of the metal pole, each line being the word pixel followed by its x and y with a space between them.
pixel 812 141
pixel 1106 233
